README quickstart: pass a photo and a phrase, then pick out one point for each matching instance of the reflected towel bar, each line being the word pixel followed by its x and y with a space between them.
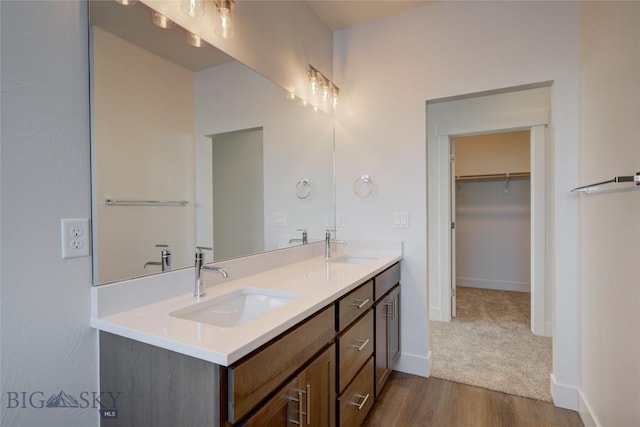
pixel 587 188
pixel 114 202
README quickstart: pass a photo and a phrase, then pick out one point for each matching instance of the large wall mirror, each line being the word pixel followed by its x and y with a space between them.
pixel 192 148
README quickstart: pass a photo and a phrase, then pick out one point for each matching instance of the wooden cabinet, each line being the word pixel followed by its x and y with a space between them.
pixel 256 376
pixel 387 324
pixel 306 400
pixel 326 370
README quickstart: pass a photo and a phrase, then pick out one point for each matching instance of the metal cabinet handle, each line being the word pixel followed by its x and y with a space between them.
pixel 360 302
pixel 299 401
pixel 300 392
pixel 389 305
pixel 360 347
pixel 308 414
pixel 361 404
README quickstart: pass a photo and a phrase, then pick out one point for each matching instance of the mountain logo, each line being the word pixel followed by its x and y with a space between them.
pixel 62 400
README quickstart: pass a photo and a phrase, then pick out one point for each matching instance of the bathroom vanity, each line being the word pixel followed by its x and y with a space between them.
pixel 319 359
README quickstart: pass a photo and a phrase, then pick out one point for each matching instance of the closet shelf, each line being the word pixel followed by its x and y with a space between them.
pixel 508 175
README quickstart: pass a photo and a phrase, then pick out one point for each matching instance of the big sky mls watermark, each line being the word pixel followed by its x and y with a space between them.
pixel 105 401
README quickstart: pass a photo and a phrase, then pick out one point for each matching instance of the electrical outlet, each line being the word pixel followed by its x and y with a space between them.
pixel 340 219
pixel 75 237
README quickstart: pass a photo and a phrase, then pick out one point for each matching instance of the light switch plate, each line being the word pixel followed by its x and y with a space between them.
pixel 401 219
pixel 340 222
pixel 75 239
pixel 280 219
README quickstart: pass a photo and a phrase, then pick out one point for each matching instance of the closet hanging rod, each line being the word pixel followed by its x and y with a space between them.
pixel 493 176
pixel 114 202
pixel 629 178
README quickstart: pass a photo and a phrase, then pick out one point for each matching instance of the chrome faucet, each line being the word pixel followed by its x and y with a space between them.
pixel 165 258
pixel 327 243
pixel 200 289
pixel 305 238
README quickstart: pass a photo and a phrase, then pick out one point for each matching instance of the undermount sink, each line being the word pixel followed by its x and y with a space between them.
pixel 237 307
pixel 351 259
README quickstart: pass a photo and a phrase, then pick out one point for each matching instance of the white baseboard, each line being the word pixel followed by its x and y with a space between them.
pixel 564 395
pixel 414 364
pixel 586 414
pixel 498 285
pixel 434 313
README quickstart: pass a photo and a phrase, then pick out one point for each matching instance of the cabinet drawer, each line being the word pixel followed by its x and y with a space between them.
pixel 356 401
pixel 354 348
pixel 354 304
pixel 254 378
pixel 387 280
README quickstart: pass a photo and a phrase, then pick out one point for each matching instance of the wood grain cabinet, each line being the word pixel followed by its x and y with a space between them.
pixel 387 324
pixel 324 371
pixel 306 400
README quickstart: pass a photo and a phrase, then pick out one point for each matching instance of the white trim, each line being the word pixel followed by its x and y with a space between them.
pixel 548 329
pixel 564 395
pixel 483 123
pixel 498 285
pixel 538 230
pixel 434 313
pixel 586 413
pixel 414 364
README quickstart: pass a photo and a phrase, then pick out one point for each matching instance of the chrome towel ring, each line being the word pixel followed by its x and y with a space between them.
pixel 303 189
pixel 363 186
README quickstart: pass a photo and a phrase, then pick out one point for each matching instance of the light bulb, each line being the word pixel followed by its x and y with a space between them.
pixel 193 8
pixel 162 21
pixel 127 2
pixel 224 22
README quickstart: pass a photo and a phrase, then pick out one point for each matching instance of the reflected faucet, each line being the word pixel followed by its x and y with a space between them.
pixel 327 243
pixel 165 258
pixel 200 289
pixel 305 238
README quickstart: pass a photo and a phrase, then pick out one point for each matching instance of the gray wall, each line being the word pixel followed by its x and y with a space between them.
pixel 47 344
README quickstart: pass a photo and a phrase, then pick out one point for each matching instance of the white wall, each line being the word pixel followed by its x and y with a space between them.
pixel 297 144
pixel 143 130
pixel 387 69
pixel 47 344
pixel 610 230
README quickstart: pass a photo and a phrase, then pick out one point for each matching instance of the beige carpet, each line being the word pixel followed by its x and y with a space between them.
pixel 490 345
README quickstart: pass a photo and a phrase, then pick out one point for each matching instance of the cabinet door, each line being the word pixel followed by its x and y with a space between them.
pixel 308 400
pixel 382 311
pixel 279 411
pixel 394 327
pixel 316 386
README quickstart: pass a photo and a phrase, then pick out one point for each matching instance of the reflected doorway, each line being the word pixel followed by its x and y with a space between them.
pixel 238 193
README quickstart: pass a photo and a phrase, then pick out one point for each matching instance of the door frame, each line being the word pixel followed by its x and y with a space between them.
pixel 439 239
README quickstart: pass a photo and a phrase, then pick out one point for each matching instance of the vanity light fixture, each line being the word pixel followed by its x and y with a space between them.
pixel 224 20
pixel 162 21
pixel 318 82
pixel 195 40
pixel 192 8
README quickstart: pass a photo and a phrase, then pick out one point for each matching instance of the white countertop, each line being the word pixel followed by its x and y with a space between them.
pixel 317 281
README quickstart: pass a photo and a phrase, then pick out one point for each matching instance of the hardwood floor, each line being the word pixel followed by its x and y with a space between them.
pixel 409 400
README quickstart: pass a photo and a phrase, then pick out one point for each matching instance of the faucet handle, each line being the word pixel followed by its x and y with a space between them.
pixel 302 229
pixel 162 245
pixel 203 248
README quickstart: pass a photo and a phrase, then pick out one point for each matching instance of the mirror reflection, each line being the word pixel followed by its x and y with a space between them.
pixel 192 148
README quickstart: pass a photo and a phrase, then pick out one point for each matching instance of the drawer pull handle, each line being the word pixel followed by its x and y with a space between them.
pixel 308 414
pixel 360 302
pixel 300 413
pixel 361 404
pixel 361 346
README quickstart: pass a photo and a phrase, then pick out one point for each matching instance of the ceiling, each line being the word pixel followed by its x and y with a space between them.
pixel 338 14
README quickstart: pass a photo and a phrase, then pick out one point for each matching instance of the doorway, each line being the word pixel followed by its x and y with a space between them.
pixel 523 108
pixel 237 188
pixel 491 207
